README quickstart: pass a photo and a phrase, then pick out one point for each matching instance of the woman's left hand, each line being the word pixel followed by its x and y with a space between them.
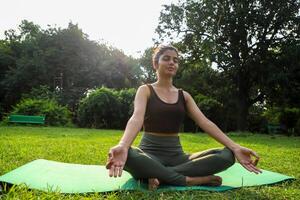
pixel 244 156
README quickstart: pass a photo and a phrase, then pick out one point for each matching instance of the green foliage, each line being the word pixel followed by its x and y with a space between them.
pixel 1 111
pixel 211 108
pixel 289 117
pixel 272 115
pixel 297 128
pixel 106 108
pixel 254 45
pixel 256 121
pixel 283 84
pixel 100 109
pixel 199 78
pixel 239 37
pixel 64 59
pixel 126 99
pixel 41 92
pixel 56 115
pixel 145 62
pixel 207 103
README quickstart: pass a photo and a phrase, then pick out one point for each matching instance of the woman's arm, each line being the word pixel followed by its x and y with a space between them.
pixel 242 154
pixel 118 154
pixel 135 123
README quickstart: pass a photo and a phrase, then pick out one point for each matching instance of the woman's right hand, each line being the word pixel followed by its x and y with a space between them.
pixel 117 157
pixel 244 156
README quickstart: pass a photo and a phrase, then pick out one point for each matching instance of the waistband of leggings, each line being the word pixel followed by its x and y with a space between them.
pixel 161 139
pixel 161 144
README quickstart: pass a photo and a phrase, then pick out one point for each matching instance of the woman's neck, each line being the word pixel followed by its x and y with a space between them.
pixel 164 82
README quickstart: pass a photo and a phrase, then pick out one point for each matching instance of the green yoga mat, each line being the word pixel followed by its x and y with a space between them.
pixel 49 175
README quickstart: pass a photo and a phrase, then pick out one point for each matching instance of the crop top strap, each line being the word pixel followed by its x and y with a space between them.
pixel 150 87
pixel 152 92
pixel 182 98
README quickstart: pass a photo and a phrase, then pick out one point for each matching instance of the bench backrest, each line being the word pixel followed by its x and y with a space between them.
pixel 27 119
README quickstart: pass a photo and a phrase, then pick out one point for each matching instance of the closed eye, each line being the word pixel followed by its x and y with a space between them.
pixel 168 58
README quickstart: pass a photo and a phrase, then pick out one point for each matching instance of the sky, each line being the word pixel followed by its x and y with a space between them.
pixel 127 25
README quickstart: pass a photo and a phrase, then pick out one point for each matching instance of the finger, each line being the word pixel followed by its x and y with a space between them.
pixel 254 154
pixel 116 170
pixel 120 171
pixel 110 155
pixel 111 171
pixel 247 167
pixel 250 167
pixel 255 162
pixel 108 165
pixel 254 169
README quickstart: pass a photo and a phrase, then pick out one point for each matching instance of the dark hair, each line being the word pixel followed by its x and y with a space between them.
pixel 159 50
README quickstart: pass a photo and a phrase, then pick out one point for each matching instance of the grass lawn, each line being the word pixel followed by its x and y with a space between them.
pixel 22 144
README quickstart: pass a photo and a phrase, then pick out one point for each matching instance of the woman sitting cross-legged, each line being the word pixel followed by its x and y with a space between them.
pixel 160 107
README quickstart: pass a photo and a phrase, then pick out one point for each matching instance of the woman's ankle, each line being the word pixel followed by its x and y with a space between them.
pixel 189 181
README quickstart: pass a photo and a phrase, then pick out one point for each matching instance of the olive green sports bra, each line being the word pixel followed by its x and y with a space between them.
pixel 162 117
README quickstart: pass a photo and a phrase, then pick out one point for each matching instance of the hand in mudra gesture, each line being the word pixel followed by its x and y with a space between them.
pixel 117 157
pixel 244 156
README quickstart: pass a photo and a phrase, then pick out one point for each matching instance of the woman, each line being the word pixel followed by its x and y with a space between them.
pixel 161 107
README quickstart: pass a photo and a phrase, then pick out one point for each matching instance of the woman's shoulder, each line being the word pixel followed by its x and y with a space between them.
pixel 144 89
pixel 186 95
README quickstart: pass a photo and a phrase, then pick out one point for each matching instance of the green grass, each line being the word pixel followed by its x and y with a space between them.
pixel 22 144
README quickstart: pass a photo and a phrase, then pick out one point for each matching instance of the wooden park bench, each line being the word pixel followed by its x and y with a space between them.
pixel 26 119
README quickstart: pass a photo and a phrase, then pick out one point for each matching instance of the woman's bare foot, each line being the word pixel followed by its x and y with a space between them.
pixel 153 183
pixel 204 180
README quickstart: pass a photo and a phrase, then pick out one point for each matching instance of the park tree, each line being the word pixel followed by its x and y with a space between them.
pixel 19 57
pixel 238 37
pixel 283 85
pixel 7 60
pixel 145 62
pixel 65 60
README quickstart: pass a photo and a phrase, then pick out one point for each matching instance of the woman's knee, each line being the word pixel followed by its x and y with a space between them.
pixel 133 162
pixel 138 159
pixel 133 154
pixel 228 156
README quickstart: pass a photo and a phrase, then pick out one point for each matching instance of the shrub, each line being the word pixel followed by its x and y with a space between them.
pixel 100 109
pixel 272 115
pixel 1 111
pixel 126 99
pixel 212 108
pixel 289 117
pixel 106 108
pixel 255 121
pixel 55 114
pixel 297 128
pixel 41 92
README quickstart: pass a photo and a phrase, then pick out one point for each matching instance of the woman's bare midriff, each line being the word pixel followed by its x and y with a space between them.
pixel 163 134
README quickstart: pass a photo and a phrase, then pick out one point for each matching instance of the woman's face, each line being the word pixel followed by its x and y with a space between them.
pixel 167 63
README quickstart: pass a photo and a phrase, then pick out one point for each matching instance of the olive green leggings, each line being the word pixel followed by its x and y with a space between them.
pixel 163 158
